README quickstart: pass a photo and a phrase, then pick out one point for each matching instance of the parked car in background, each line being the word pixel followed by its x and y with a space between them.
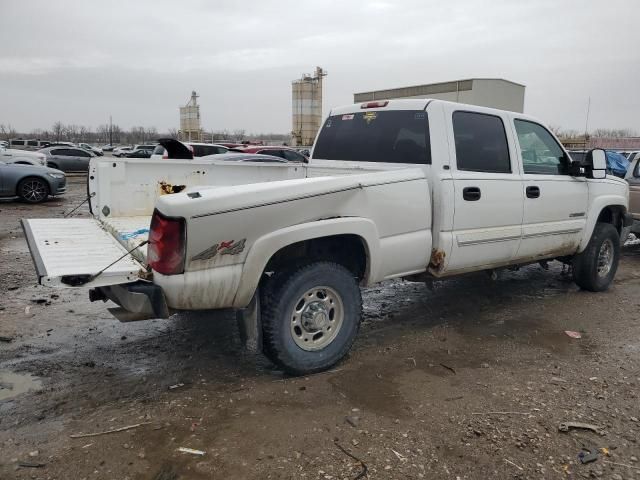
pixel 578 155
pixel 287 153
pixel 140 153
pixel 144 147
pixel 306 151
pixel 121 151
pixel 68 159
pixel 89 148
pixel 108 147
pixel 28 144
pixel 228 144
pixel 33 184
pixel 617 163
pixel 197 150
pixel 25 157
pixel 4 143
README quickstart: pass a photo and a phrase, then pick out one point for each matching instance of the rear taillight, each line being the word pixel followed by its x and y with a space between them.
pixel 375 104
pixel 167 244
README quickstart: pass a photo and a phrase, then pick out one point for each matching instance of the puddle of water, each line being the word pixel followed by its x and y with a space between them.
pixel 13 384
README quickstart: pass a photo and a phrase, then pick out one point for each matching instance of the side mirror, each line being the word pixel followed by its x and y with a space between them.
pixel 596 163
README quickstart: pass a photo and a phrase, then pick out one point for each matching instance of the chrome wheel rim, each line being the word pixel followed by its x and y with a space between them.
pixel 317 318
pixel 605 258
pixel 34 191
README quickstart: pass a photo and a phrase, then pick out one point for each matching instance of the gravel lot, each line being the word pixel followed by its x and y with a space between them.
pixel 468 381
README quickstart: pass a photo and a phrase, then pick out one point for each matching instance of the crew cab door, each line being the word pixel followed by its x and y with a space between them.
pixel 555 203
pixel 488 193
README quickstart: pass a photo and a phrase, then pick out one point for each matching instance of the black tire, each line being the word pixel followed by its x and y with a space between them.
pixel 33 190
pixel 284 293
pixel 589 267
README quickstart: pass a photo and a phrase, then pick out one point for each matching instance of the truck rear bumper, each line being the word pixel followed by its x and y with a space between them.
pixel 137 301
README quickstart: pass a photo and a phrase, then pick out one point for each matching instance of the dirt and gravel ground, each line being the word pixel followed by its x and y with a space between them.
pixel 469 381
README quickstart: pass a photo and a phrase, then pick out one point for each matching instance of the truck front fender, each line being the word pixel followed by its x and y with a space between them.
pixel 599 204
pixel 268 245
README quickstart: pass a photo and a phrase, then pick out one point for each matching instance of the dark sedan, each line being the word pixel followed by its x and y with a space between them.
pixel 31 183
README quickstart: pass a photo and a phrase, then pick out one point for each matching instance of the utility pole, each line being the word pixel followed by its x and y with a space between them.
pixel 586 123
pixel 110 130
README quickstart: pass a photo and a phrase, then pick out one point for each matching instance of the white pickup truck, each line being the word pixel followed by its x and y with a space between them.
pixel 419 189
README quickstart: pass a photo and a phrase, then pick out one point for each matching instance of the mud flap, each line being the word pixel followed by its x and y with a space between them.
pixel 250 325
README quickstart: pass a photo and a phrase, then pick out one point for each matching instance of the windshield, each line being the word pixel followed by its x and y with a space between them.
pixel 394 136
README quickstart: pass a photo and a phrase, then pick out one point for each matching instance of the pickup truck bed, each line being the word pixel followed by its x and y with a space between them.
pixel 130 232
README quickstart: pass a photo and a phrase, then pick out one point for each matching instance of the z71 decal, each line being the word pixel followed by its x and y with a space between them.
pixel 230 247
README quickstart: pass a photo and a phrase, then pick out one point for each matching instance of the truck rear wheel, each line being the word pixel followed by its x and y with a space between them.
pixel 311 317
pixel 595 267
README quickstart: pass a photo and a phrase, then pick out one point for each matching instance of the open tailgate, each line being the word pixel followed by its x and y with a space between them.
pixel 68 252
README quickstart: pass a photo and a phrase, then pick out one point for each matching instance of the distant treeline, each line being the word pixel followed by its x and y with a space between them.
pixel 106 133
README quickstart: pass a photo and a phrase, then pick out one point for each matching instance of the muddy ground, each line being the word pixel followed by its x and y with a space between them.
pixel 469 381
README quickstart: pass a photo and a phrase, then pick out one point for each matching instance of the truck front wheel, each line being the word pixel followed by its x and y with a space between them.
pixel 595 267
pixel 310 317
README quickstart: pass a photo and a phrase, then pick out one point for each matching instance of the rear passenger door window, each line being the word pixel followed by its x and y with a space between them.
pixel 481 143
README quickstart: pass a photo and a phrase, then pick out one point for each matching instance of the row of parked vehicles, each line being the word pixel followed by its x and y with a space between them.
pixel 33 175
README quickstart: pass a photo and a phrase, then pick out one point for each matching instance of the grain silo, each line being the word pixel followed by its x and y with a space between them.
pixel 307 107
pixel 190 120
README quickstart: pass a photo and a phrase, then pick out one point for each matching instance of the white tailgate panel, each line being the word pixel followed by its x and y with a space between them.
pixel 63 247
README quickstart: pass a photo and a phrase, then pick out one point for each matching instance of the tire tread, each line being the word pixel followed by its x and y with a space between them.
pixel 272 292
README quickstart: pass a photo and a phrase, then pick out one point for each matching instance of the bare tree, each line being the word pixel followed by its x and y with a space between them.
pixel 85 134
pixel 137 135
pixel 37 133
pixel 614 132
pixel 556 130
pixel 239 134
pixel 151 133
pixel 71 132
pixel 173 133
pixel 103 133
pixel 57 130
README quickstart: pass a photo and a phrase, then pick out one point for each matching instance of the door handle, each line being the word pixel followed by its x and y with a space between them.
pixel 533 192
pixel 471 194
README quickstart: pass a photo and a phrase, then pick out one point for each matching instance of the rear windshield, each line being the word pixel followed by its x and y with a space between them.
pixel 394 136
pixel 159 150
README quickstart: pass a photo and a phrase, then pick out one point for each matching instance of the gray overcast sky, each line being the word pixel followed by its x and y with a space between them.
pixel 79 61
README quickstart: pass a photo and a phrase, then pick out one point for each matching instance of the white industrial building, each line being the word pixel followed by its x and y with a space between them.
pixel 485 92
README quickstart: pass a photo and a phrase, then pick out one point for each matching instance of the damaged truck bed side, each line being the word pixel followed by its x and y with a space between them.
pixel 419 189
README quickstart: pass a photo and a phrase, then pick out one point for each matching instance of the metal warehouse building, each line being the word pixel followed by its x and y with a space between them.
pixel 486 92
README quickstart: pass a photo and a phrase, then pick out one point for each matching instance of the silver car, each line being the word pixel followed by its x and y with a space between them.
pixel 68 159
pixel 30 183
